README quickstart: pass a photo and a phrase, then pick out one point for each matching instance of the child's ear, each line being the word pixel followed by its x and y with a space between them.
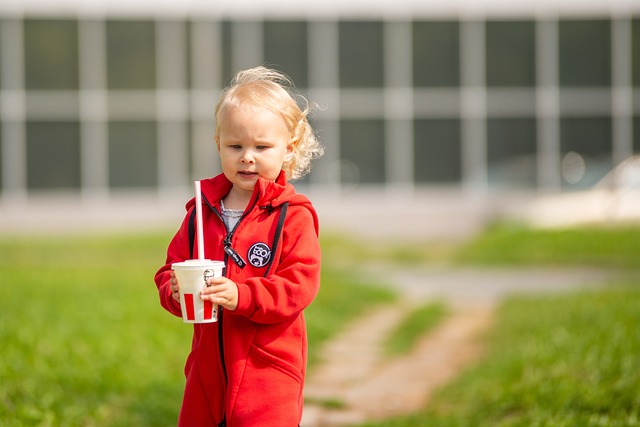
pixel 290 147
pixel 292 144
pixel 217 138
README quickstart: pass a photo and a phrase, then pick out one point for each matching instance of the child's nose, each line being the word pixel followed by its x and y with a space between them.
pixel 247 157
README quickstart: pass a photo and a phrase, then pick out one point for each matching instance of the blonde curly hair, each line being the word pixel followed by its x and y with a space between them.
pixel 270 89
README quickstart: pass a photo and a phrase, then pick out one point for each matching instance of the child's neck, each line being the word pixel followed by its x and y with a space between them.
pixel 236 200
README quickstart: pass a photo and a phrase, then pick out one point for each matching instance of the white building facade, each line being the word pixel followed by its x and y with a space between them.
pixel 105 97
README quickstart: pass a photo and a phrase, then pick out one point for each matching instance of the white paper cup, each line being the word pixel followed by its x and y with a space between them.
pixel 192 275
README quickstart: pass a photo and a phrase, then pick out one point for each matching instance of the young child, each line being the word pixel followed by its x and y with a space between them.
pixel 248 368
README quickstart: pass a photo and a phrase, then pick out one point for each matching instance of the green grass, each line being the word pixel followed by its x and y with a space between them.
pixel 562 361
pixel 594 246
pixel 85 342
pixel 568 360
pixel 345 251
pixel 84 339
pixel 342 297
pixel 415 325
pixel 508 244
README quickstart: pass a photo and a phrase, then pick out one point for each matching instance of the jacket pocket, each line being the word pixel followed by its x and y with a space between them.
pixel 275 363
pixel 270 392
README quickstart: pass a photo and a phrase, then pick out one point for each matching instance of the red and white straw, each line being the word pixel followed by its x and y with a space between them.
pixel 199 228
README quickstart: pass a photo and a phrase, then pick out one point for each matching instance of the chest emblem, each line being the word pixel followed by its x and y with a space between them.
pixel 259 254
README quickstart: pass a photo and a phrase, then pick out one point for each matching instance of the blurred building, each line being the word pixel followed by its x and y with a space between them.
pixel 109 96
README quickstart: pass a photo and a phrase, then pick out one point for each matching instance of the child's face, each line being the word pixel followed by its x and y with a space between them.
pixel 252 143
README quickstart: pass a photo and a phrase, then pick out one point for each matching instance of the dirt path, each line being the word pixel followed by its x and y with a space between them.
pixel 370 387
pixel 355 383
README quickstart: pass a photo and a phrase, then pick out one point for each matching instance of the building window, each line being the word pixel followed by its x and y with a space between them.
pixel 285 48
pixel 585 53
pixel 226 59
pixel 587 139
pixel 635 51
pixel 131 58
pixel 53 155
pixel 51 54
pixel 510 53
pixel 52 74
pixel 361 56
pixel 437 151
pixel 2 66
pixel 436 54
pixel 511 152
pixel 133 154
pixel 362 151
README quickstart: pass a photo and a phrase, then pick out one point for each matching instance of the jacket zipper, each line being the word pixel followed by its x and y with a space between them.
pixel 228 252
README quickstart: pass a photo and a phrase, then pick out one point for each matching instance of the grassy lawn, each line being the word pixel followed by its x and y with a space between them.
pixel 415 325
pixel 569 360
pixel 86 343
pixel 84 339
pixel 511 245
pixel 562 361
pixel 596 247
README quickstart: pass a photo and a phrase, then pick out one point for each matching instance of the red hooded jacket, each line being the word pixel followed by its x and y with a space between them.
pixel 248 368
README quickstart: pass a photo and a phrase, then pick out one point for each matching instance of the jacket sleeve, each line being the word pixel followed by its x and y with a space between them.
pixel 294 284
pixel 177 251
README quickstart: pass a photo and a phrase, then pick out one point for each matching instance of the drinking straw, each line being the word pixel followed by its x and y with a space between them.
pixel 199 228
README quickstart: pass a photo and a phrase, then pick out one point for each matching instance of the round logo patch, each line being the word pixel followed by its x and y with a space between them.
pixel 259 254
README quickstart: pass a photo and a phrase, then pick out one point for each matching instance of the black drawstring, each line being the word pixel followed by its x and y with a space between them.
pixel 192 232
pixel 276 237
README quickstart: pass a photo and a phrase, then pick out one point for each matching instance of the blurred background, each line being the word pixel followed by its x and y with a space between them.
pixel 445 122
pixel 456 112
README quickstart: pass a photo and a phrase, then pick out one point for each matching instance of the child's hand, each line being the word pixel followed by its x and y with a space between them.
pixel 175 288
pixel 221 291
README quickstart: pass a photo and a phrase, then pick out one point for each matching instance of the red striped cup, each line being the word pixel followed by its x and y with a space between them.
pixel 192 275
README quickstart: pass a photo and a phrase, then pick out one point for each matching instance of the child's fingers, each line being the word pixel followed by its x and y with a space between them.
pixel 175 288
pixel 213 290
pixel 213 281
pixel 224 294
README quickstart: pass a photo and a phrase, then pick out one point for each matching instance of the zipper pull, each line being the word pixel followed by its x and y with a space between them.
pixel 234 255
pixel 268 207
